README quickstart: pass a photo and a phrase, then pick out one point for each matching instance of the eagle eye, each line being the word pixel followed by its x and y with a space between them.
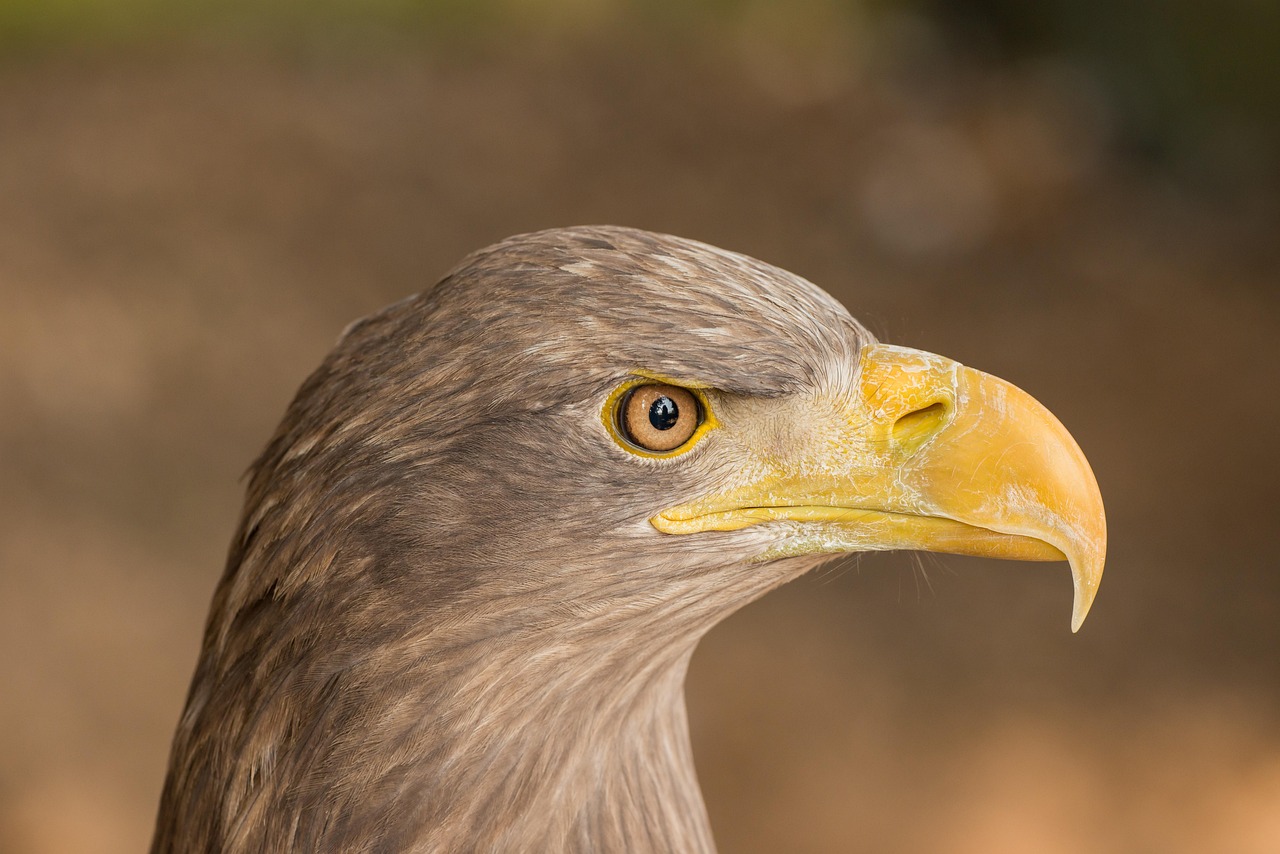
pixel 658 417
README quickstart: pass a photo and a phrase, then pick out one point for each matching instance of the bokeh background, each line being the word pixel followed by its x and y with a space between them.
pixel 1079 196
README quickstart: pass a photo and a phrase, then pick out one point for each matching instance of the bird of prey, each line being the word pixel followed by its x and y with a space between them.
pixel 477 555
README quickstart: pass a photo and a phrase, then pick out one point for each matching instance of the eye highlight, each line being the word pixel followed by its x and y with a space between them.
pixel 652 418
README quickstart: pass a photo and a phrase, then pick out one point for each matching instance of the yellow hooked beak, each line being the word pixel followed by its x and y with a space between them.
pixel 924 454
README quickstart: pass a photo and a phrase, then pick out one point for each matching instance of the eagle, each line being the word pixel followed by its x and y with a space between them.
pixel 477 554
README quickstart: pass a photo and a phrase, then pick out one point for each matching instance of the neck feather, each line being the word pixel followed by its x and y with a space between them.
pixel 474 736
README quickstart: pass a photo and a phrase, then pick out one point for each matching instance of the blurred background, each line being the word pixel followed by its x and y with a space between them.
pixel 1079 196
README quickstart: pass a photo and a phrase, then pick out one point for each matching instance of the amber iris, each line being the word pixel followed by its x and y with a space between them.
pixel 659 417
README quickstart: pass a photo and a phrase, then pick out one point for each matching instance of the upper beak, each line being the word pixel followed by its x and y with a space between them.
pixel 925 454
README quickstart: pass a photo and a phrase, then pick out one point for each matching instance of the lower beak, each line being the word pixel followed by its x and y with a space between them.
pixel 925 454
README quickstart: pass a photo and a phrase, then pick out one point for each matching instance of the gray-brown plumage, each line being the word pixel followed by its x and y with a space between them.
pixel 448 621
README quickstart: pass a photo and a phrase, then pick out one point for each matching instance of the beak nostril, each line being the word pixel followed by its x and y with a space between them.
pixel 920 423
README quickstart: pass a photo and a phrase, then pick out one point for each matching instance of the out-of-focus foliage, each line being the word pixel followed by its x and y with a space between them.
pixel 1193 86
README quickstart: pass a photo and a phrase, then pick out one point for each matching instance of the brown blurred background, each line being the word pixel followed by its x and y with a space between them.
pixel 196 197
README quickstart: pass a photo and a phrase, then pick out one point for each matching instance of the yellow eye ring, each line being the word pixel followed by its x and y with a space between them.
pixel 661 399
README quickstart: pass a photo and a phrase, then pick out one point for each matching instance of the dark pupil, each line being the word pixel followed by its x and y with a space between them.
pixel 663 413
